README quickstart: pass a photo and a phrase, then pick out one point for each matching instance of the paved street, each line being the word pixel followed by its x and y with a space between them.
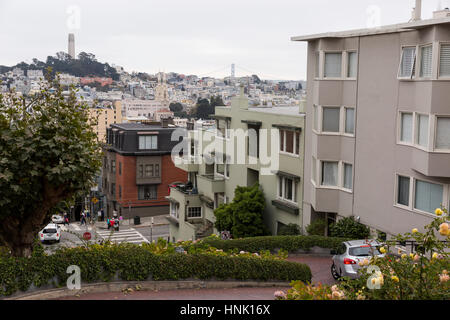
pixel 320 268
pixel 72 235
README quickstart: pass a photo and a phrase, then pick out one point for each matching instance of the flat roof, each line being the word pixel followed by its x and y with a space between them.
pixel 282 110
pixel 394 28
pixel 138 126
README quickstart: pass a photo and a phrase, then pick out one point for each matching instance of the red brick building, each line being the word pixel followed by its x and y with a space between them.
pixel 138 168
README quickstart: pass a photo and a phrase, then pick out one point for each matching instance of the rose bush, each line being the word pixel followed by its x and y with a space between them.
pixel 422 275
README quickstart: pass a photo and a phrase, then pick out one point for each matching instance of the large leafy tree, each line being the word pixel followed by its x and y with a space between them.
pixel 243 217
pixel 48 154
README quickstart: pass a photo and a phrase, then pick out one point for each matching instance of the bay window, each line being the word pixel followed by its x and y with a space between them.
pixel 329 173
pixel 333 65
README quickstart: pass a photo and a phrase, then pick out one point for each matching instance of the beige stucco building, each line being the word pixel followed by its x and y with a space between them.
pixel 378 124
pixel 105 117
pixel 270 154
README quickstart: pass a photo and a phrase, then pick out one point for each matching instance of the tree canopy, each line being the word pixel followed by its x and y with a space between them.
pixel 85 65
pixel 48 153
pixel 243 217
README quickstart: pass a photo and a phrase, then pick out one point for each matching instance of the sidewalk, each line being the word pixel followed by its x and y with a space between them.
pixel 145 222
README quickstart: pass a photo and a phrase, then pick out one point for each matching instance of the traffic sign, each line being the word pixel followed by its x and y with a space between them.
pixel 87 236
pixel 94 200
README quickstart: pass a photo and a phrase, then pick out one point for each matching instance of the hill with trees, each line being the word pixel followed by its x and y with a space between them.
pixel 84 66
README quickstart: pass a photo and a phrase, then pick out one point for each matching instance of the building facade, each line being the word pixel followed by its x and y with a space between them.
pixel 378 125
pixel 248 145
pixel 106 116
pixel 138 168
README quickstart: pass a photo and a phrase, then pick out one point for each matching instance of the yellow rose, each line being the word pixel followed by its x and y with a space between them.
pixel 382 250
pixel 443 229
pixel 404 256
pixel 395 278
pixel 415 230
pixel 438 212
pixel 411 255
pixel 435 255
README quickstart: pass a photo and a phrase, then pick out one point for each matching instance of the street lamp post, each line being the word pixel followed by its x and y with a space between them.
pixel 151 230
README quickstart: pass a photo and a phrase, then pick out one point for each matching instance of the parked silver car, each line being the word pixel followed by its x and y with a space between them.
pixel 349 254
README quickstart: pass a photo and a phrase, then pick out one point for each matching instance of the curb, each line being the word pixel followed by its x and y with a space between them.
pixel 120 286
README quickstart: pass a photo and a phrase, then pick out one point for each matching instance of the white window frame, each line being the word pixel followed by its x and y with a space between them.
pixel 342 65
pixel 347 56
pixel 414 67
pixel 345 121
pixel 339 132
pixel 295 184
pixel 174 210
pixel 342 120
pixel 340 178
pixel 412 194
pixel 399 128
pixel 343 176
pixel 294 147
pixel 419 60
pixel 445 43
pixel 416 131
pixel 436 116
pixel 192 207
pixel 145 137
pixel 314 171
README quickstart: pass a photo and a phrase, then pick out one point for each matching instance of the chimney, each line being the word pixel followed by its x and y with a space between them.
pixel 417 12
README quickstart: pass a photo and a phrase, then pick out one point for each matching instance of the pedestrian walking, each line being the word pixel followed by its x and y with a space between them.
pixel 103 215
pixel 83 218
pixel 66 218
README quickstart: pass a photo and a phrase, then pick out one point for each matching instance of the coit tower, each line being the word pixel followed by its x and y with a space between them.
pixel 72 45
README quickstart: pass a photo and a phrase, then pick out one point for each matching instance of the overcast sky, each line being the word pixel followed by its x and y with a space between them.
pixel 202 37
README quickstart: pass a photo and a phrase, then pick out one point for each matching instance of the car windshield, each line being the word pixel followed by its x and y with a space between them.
pixel 363 251
pixel 49 231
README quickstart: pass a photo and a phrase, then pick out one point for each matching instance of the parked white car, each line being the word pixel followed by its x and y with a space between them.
pixel 345 262
pixel 56 218
pixel 50 233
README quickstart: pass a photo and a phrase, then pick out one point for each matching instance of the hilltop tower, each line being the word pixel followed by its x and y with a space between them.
pixel 71 50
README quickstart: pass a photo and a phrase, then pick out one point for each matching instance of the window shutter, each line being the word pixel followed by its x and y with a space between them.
pixel 444 68
pixel 407 64
pixel 425 61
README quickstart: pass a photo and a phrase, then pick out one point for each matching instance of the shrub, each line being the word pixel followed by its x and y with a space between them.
pixel 289 230
pixel 288 243
pixel 136 263
pixel 317 227
pixel 349 228
pixel 243 217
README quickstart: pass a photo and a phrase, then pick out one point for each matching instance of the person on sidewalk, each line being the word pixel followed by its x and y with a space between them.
pixel 83 218
pixel 66 218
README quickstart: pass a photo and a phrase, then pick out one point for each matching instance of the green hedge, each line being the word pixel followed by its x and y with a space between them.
pixel 289 243
pixel 134 263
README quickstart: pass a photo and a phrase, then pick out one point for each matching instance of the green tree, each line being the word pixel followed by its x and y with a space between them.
pixel 48 153
pixel 243 217
pixel 176 107
pixel 349 228
pixel 203 109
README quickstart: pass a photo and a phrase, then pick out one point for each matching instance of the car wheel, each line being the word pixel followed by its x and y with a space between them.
pixel 334 272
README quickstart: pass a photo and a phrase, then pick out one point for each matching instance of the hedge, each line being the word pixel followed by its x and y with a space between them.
pixel 288 243
pixel 134 263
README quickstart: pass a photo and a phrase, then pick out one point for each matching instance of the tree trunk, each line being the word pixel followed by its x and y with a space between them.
pixel 20 232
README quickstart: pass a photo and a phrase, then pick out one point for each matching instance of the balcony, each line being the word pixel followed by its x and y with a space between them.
pixel 188 164
pixel 210 185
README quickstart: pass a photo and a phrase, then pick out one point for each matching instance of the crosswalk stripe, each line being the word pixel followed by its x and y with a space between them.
pixel 129 235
